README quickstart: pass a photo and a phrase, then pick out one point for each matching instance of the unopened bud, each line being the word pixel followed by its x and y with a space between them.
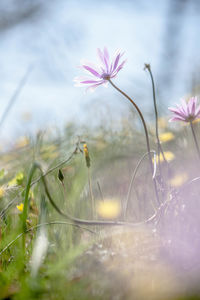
pixel 86 153
pixel 60 175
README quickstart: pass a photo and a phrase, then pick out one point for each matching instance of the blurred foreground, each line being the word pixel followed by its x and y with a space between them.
pixel 142 259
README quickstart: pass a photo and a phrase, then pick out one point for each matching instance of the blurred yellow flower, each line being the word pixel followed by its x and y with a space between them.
pixel 85 149
pixel 87 156
pixel 20 207
pixel 2 192
pixel 162 122
pixel 168 155
pixel 17 180
pixel 196 121
pixel 49 151
pixel 109 209
pixel 22 142
pixel 100 145
pixel 166 137
pixel 178 179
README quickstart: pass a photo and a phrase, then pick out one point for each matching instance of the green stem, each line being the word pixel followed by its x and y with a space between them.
pixel 91 194
pixel 26 198
pixel 3 212
pixel 41 225
pixel 148 67
pixel 131 183
pixel 195 139
pixel 146 134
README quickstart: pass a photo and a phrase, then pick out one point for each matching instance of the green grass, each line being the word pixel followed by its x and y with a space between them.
pixel 110 263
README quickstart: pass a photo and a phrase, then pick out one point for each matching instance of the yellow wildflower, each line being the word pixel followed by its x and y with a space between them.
pixel 166 137
pixel 168 156
pixel 86 153
pixel 108 209
pixel 178 180
pixel 49 151
pixel 17 180
pixel 2 173
pixel 196 121
pixel 85 149
pixel 2 192
pixel 162 123
pixel 22 142
pixel 20 207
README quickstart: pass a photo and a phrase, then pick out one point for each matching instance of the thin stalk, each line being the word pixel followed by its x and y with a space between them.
pixel 100 191
pixel 26 203
pixel 146 135
pixel 148 67
pixel 77 221
pixel 91 194
pixel 67 160
pixel 195 139
pixel 131 183
pixel 41 225
pixel 15 95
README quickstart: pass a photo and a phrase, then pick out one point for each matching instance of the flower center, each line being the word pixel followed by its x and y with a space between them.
pixel 190 118
pixel 105 76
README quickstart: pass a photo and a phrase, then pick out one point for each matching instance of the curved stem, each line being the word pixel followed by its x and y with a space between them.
pixel 195 139
pixel 146 134
pixel 132 180
pixel 40 225
pixel 90 222
pixel 4 210
pixel 76 221
pixel 148 67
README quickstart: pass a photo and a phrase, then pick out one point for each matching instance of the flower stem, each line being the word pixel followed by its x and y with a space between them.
pixel 195 139
pixel 146 134
pixel 148 67
pixel 91 194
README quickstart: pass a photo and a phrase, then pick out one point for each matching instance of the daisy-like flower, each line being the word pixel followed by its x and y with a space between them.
pixel 100 74
pixel 186 112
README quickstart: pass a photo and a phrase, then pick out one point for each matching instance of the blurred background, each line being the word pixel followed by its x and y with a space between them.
pixel 44 41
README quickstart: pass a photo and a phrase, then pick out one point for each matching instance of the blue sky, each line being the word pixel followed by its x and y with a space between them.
pixel 68 31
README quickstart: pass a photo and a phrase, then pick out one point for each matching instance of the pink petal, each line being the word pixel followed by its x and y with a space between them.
pixel 101 56
pixel 118 69
pixel 116 61
pixel 177 111
pixel 106 59
pixel 94 86
pixel 191 106
pixel 106 55
pixel 183 107
pixel 197 110
pixel 91 70
pixel 194 106
pixel 177 119
pixel 89 81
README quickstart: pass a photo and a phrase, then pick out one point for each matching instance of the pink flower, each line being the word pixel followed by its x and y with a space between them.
pixel 101 73
pixel 186 112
